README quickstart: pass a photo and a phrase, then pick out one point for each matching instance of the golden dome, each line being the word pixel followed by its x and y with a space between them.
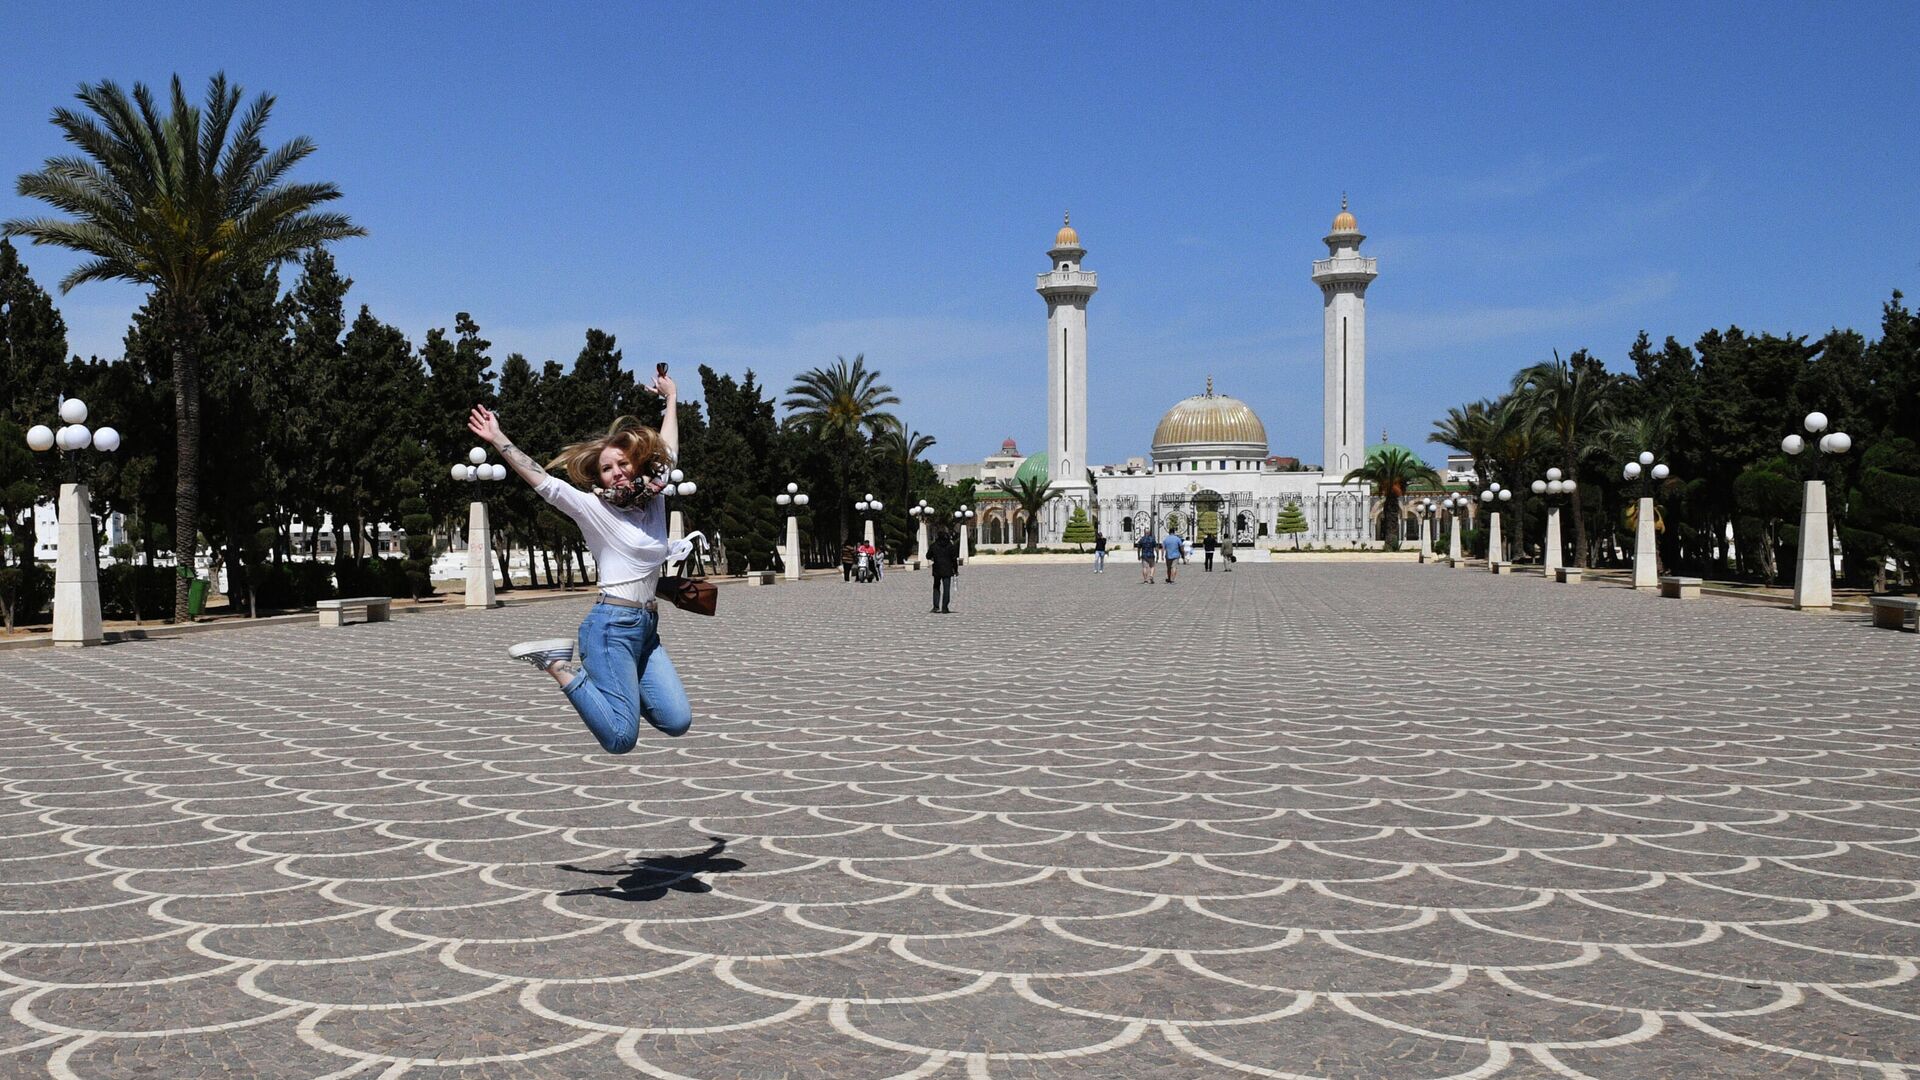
pixel 1066 237
pixel 1210 424
pixel 1343 221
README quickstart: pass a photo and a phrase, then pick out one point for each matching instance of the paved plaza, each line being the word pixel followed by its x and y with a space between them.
pixel 1328 820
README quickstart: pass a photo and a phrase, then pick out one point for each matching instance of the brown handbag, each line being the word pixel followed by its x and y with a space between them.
pixel 691 591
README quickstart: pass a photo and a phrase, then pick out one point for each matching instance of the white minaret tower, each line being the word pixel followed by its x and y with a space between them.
pixel 1066 288
pixel 1343 278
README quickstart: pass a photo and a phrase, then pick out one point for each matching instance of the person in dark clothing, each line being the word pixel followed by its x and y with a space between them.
pixel 1212 545
pixel 847 555
pixel 1099 553
pixel 943 558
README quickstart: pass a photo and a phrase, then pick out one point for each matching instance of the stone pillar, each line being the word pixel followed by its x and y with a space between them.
pixel 793 547
pixel 676 531
pixel 1646 554
pixel 1426 538
pixel 1496 550
pixel 76 577
pixel 966 542
pixel 869 530
pixel 1812 576
pixel 920 538
pixel 479 557
pixel 1550 557
pixel 1453 541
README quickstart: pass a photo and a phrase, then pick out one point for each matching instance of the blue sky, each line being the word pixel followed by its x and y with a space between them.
pixel 770 186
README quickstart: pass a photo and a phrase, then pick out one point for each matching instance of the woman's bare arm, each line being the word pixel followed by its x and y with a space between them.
pixel 482 422
pixel 670 418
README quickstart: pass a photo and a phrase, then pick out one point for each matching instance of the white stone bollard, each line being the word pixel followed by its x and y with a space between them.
pixel 76 577
pixel 1550 558
pixel 479 558
pixel 1496 550
pixel 1646 554
pixel 1813 570
pixel 793 547
pixel 1426 540
pixel 966 543
pixel 1453 542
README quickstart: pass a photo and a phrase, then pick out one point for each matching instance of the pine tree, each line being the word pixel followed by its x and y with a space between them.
pixel 1079 528
pixel 1291 522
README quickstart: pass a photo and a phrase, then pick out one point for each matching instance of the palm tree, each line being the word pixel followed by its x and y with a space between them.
pixel 1033 493
pixel 1392 472
pixel 1572 402
pixel 902 446
pixel 843 405
pixel 182 204
pixel 1469 429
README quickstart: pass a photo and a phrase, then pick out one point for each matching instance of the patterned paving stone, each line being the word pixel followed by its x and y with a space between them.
pixel 1307 821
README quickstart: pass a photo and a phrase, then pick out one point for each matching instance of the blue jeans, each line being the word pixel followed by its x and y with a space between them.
pixel 626 676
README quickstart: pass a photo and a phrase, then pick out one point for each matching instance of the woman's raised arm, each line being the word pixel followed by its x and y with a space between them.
pixel 482 422
pixel 670 417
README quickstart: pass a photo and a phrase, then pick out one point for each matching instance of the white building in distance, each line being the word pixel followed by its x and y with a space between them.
pixel 1209 469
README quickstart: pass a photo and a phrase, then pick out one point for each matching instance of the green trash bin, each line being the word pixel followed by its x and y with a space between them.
pixel 196 597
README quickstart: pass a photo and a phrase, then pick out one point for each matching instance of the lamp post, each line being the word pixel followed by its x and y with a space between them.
pixel 1813 571
pixel 1493 496
pixel 868 507
pixel 677 484
pixel 961 517
pixel 479 530
pixel 1646 555
pixel 1552 487
pixel 924 515
pixel 796 499
pixel 76 577
pixel 1454 506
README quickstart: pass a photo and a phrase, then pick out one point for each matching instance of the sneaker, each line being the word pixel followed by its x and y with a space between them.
pixel 544 654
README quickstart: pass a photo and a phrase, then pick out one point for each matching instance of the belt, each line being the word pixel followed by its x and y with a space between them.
pixel 644 605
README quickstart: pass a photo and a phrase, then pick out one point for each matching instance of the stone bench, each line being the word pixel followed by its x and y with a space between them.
pixel 1893 612
pixel 333 612
pixel 1499 568
pixel 1680 588
pixel 1566 575
pixel 759 577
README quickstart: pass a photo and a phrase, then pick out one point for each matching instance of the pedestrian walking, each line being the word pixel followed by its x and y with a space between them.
pixel 624 674
pixel 943 558
pixel 1212 544
pixel 848 553
pixel 1175 551
pixel 1099 553
pixel 1149 550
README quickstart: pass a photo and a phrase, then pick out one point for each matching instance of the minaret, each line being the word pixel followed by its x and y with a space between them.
pixel 1066 289
pixel 1343 278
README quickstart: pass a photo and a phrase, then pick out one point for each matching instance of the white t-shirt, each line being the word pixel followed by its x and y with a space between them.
pixel 629 546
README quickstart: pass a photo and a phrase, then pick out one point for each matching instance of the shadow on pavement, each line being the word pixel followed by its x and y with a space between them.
pixel 654 876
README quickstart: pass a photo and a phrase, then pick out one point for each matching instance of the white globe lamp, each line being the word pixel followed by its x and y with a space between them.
pixel 40 438
pixel 73 411
pixel 1816 422
pixel 106 439
pixel 1792 445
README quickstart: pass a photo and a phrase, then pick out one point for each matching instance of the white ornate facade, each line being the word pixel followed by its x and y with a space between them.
pixel 1210 464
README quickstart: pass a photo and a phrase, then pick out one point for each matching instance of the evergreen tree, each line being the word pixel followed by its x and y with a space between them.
pixel 1079 528
pixel 33 347
pixel 1291 522
pixel 376 413
pixel 458 378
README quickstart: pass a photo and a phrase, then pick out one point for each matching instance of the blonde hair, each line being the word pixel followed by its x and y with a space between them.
pixel 642 445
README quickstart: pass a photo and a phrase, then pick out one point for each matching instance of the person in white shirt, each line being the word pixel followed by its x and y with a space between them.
pixel 624 674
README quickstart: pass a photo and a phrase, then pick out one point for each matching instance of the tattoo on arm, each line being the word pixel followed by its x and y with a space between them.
pixel 529 469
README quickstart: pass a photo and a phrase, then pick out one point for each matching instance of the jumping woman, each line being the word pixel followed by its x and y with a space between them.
pixel 624 674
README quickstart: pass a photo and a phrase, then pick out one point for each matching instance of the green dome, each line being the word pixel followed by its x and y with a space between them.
pixel 1034 468
pixel 1377 449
